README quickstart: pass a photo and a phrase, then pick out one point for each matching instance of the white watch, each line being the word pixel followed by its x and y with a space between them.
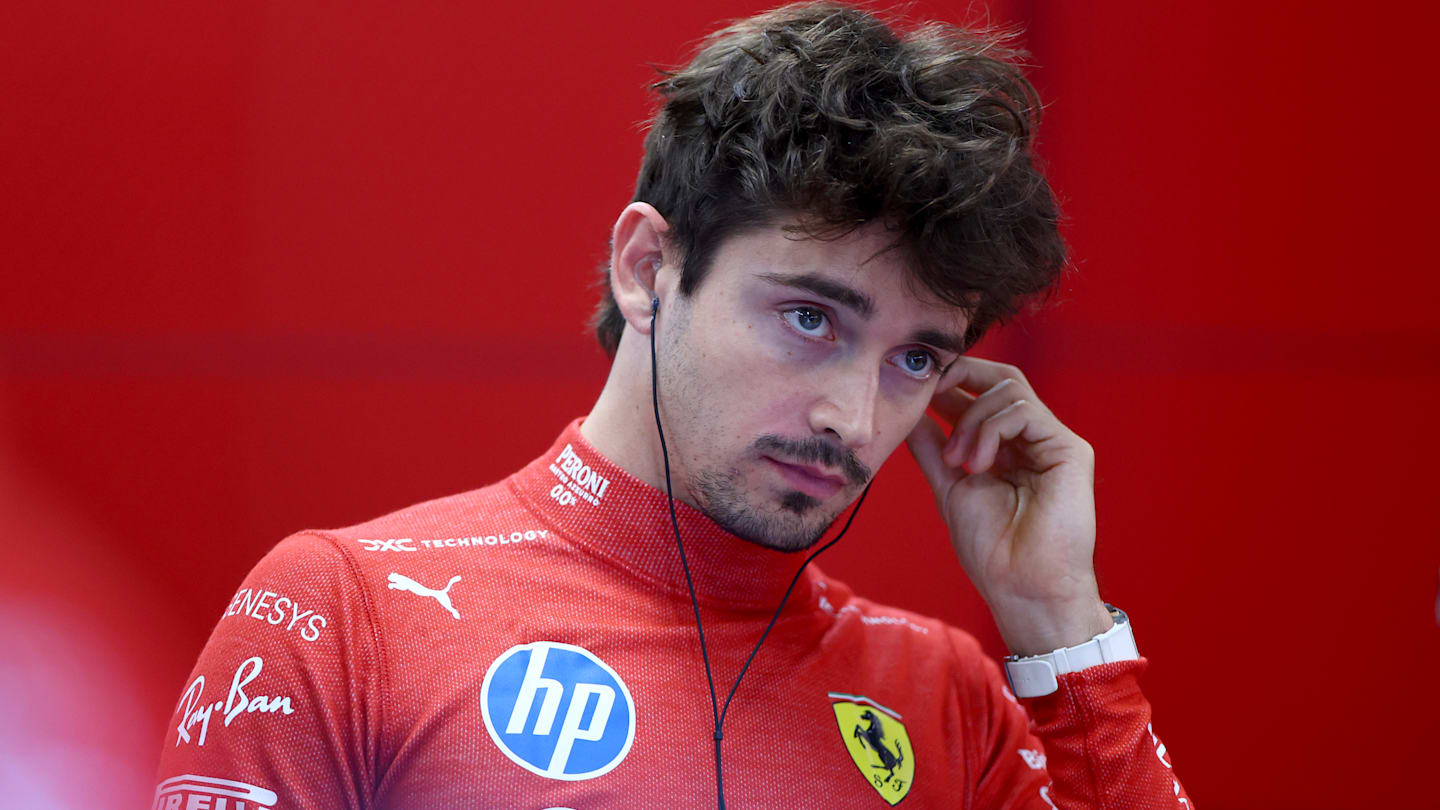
pixel 1037 675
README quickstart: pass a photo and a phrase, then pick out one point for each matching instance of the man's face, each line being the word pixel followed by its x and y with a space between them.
pixel 792 373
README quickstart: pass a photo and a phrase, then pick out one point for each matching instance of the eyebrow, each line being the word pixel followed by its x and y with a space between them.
pixel 835 291
pixel 944 341
pixel 862 304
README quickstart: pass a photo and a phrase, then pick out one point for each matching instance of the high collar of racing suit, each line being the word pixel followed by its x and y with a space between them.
pixel 607 511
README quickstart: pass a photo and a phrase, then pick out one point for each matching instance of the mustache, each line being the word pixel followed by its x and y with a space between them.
pixel 815 450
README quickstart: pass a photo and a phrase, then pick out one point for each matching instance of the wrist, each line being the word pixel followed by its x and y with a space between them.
pixel 1039 675
pixel 1031 627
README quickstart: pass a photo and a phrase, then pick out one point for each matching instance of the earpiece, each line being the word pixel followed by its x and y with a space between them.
pixel 654 299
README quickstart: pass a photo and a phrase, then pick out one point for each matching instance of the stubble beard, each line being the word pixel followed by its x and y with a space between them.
pixel 796 523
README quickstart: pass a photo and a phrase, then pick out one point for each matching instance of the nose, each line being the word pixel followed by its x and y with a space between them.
pixel 847 407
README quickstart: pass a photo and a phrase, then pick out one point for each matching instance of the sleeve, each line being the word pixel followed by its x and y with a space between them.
pixel 283 706
pixel 1090 744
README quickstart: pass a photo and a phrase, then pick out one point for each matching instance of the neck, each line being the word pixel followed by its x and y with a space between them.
pixel 621 425
pixel 628 522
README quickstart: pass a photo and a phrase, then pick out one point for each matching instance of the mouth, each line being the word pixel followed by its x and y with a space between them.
pixel 812 481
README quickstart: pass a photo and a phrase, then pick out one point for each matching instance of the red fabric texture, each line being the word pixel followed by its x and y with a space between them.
pixel 354 667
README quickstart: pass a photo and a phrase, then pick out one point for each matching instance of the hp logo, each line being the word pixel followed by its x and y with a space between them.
pixel 557 710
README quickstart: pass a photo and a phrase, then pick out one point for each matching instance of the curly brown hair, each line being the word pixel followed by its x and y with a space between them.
pixel 825 112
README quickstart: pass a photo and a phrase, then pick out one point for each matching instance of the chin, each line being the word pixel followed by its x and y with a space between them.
pixel 783 520
pixel 796 525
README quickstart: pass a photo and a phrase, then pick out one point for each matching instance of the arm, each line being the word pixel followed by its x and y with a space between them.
pixel 1016 489
pixel 282 708
pixel 1089 744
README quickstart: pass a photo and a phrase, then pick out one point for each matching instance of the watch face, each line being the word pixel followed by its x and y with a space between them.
pixel 1117 614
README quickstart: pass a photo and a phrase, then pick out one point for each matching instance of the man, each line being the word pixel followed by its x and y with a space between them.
pixel 828 215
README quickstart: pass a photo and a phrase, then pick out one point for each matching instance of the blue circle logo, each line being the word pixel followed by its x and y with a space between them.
pixel 557 710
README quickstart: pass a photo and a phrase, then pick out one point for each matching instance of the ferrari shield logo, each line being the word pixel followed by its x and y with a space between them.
pixel 877 741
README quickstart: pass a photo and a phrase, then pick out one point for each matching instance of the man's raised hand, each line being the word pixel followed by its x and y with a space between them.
pixel 1016 488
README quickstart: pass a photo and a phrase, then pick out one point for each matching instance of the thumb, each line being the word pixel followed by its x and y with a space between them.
pixel 927 445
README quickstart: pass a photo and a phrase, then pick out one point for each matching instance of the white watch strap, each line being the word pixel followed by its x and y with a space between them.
pixel 1037 675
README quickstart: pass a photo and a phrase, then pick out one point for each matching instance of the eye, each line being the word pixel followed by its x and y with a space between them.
pixel 917 363
pixel 808 321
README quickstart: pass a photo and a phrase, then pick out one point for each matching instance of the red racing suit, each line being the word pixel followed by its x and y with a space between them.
pixel 532 645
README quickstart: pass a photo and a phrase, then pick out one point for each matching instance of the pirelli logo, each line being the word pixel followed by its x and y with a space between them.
pixel 195 792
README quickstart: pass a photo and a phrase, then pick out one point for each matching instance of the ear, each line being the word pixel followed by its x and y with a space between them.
pixel 636 258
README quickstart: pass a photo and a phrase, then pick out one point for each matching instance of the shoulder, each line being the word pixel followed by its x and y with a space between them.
pixel 471 529
pixel 477 515
pixel 895 630
pixel 340 566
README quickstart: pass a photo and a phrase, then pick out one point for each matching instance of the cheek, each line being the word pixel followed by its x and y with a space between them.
pixel 767 399
pixel 751 364
pixel 734 380
pixel 896 417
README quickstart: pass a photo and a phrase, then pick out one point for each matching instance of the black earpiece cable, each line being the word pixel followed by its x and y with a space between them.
pixel 717 713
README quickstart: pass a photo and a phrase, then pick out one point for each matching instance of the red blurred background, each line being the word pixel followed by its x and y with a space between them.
pixel 280 266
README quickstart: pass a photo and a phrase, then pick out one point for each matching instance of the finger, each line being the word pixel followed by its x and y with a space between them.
pixel 926 442
pixel 979 375
pixel 954 373
pixel 976 374
pixel 984 407
pixel 1021 419
pixel 951 404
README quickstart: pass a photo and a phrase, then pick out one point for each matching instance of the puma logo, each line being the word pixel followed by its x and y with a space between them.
pixel 400 582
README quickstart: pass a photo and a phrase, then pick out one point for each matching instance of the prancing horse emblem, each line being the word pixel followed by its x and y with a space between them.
pixel 878 743
pixel 873 735
pixel 400 582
